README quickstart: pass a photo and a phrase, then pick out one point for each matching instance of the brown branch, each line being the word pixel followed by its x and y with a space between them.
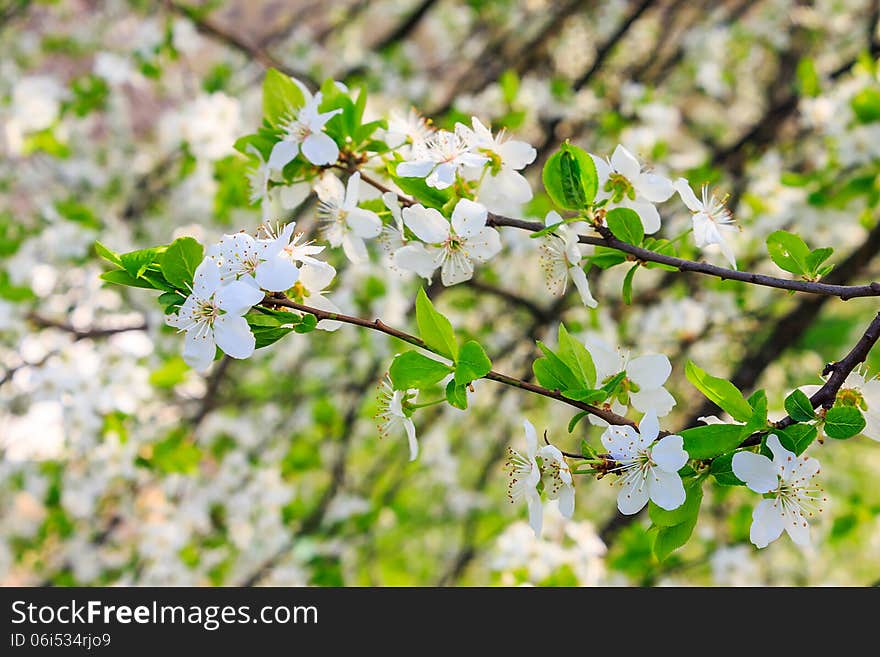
pixel 378 325
pixel 82 334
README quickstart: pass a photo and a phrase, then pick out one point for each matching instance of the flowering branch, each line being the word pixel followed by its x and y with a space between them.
pixel 278 300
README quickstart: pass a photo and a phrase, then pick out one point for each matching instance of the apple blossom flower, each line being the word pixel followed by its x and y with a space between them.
pixel 623 183
pixel 785 483
pixel 392 415
pixel 441 157
pixel 863 392
pixel 404 130
pixel 556 476
pixel 272 199
pixel 345 224
pixel 212 316
pixel 561 257
pixel 645 378
pixel 304 131
pixel 711 219
pixel 255 262
pixel 311 286
pixel 646 469
pixel 504 188
pixel 393 235
pixel 524 476
pixel 454 247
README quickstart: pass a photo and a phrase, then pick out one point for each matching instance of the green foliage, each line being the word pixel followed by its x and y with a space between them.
pixel 472 363
pixel 177 453
pixel 711 440
pixel 722 470
pixel 180 260
pixel 434 328
pixel 675 527
pixel 627 289
pixel 570 178
pixel 626 225
pixel 719 391
pixel 576 357
pixel 281 97
pixel 797 437
pixel 866 105
pixel 414 370
pixel 791 253
pixel 798 406
pixel 843 422
pixel 456 394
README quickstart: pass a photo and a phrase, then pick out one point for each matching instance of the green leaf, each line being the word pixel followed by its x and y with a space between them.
pixel 669 539
pixel 107 254
pixel 414 370
pixel 816 258
pixel 799 408
pixel 721 392
pixel 267 328
pixel 691 507
pixel 758 421
pixel 797 437
pixel 722 470
pixel 576 358
pixel 561 371
pixel 281 97
pixel 627 290
pixel 843 422
pixel 434 328
pixel 626 225
pixel 419 189
pixel 136 262
pixel 586 395
pixel 307 323
pixel 456 395
pixel 788 251
pixel 122 277
pixel 180 260
pixel 546 375
pixel 866 105
pixel 605 257
pixel 569 177
pixel 711 440
pixel 573 422
pixel 809 83
pixel 472 363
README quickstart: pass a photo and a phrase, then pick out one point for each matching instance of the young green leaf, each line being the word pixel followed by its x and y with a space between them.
pixel 561 371
pixel 816 258
pixel 577 358
pixel 789 252
pixel 711 440
pixel 434 328
pixel 456 395
pixel 281 97
pixel 799 408
pixel 573 422
pixel 843 422
pixel 472 363
pixel 669 539
pixel 107 254
pixel 605 257
pixel 414 370
pixel 136 262
pixel 797 437
pixel 722 470
pixel 569 177
pixel 719 391
pixel 180 260
pixel 691 507
pixel 627 290
pixel 626 226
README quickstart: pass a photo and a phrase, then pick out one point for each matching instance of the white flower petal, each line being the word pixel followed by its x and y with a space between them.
pixel 237 297
pixel 416 258
pixel 468 218
pixel 456 268
pixel 199 349
pixel 647 213
pixel 653 187
pixel 427 223
pixel 757 471
pixel 767 523
pixel 683 187
pixel 316 277
pixel 319 148
pixel 536 511
pixel 669 454
pixel 625 163
pixel 415 169
pixel 607 360
pixel 566 501
pixel 531 439
pixel 649 371
pixel 583 286
pixel 233 336
pixel 633 496
pixel 483 245
pixel 321 302
pixel 517 154
pixel 411 437
pixel 665 489
pixel 364 223
pixel 621 441
pixel 658 399
pixel 276 274
pixel 354 248
pixel 206 278
pixel 649 427
pixel 282 153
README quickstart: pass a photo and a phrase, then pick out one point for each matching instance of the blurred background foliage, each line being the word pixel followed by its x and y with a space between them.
pixel 121 466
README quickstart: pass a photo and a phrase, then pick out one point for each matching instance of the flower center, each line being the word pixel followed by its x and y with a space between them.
pixel 619 187
pixel 852 397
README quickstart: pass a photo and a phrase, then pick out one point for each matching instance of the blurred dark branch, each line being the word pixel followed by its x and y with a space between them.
pixel 209 399
pixel 82 334
pixel 253 51
pixel 405 27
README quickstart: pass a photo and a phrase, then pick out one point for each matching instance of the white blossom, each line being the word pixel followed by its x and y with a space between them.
pixel 646 469
pixel 441 157
pixel 346 224
pixel 255 262
pixel 623 183
pixel 561 257
pixel 503 189
pixel 212 316
pixel 453 246
pixel 391 415
pixel 710 218
pixel 524 476
pixel 785 483
pixel 304 131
